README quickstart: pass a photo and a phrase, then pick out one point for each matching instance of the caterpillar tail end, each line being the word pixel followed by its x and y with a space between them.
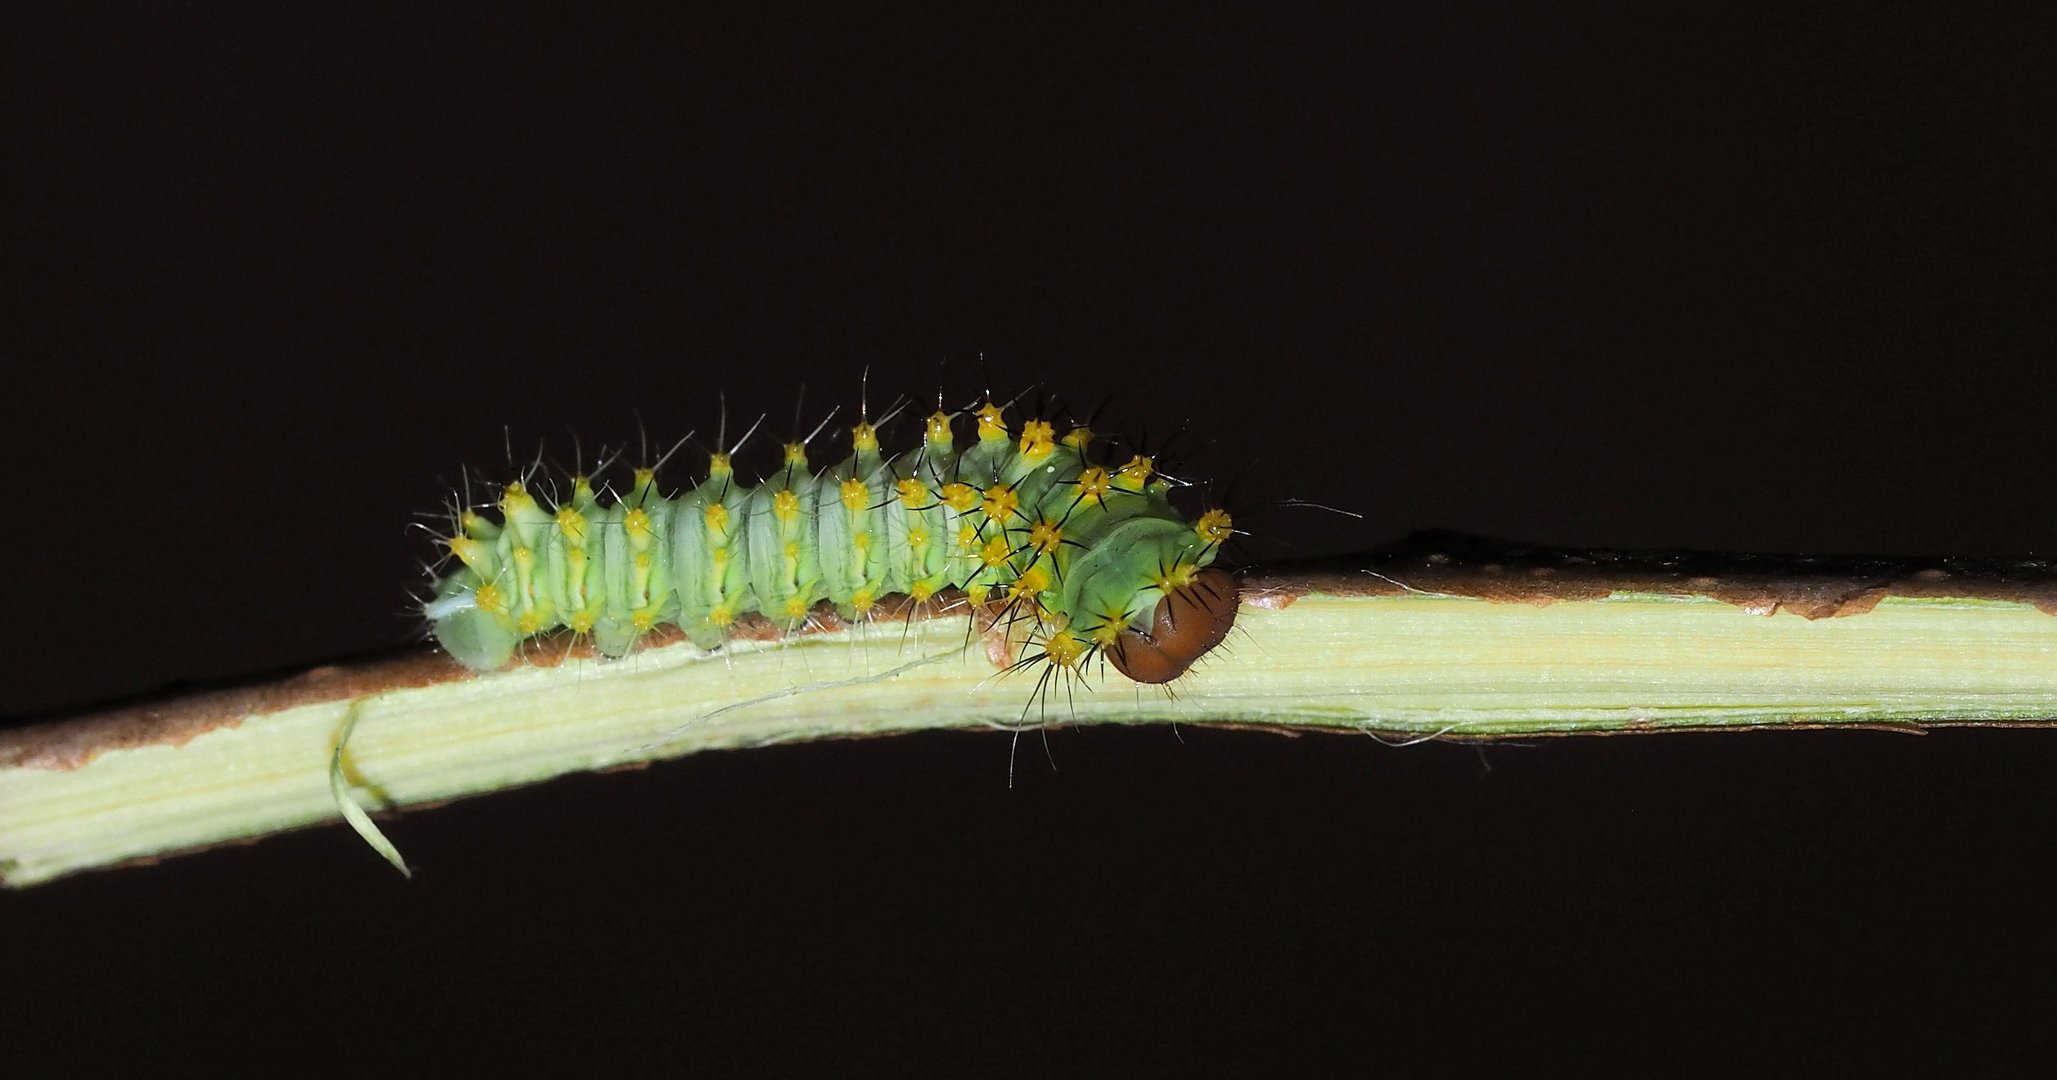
pixel 1189 622
pixel 479 640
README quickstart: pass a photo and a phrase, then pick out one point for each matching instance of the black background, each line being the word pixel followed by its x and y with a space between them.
pixel 1756 280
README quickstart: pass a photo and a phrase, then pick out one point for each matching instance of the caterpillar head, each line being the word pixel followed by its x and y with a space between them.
pixel 1191 620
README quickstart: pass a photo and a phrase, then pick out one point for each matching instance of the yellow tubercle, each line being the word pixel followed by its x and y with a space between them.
pixel 960 497
pixel 1000 502
pixel 913 493
pixel 469 552
pixel 1093 484
pixel 1038 439
pixel 1079 437
pixel 581 622
pixel 643 618
pixel 489 600
pixel 637 524
pixel 920 591
pixel 1215 526
pixel 646 478
pixel 992 424
pixel 792 551
pixel 796 608
pixel 572 525
pixel 917 539
pixel 785 506
pixel 1178 577
pixel 1064 649
pixel 717 515
pixel 862 601
pixel 514 500
pixel 718 466
pixel 938 429
pixel 796 454
pixel 1044 536
pixel 864 438
pixel 1030 583
pixel 855 494
pixel 1109 630
pixel 996 553
pixel 1136 473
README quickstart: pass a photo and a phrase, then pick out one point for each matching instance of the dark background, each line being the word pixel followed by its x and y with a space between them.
pixel 1722 278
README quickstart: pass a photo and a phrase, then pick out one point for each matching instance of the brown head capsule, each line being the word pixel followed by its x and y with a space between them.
pixel 1189 622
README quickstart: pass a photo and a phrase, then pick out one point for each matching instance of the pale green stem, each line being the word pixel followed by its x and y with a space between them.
pixel 1346 653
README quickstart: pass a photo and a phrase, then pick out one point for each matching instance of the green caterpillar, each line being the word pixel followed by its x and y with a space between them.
pixel 1096 561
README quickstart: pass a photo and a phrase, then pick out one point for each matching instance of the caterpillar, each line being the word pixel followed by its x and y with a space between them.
pixel 1028 526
